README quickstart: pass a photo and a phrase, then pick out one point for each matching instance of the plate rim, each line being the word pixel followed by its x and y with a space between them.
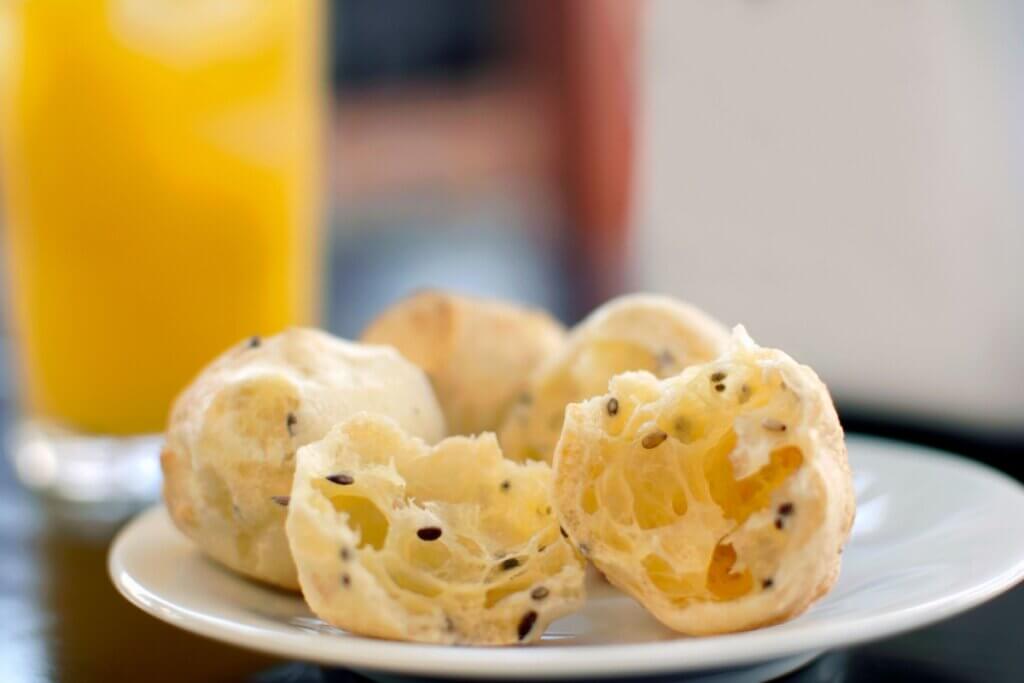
pixel 584 660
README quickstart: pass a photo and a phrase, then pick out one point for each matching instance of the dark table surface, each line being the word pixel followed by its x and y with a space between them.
pixel 63 621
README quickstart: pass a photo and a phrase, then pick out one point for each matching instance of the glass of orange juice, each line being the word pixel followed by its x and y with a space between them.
pixel 159 166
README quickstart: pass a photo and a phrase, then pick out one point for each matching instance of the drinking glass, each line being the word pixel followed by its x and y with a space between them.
pixel 159 161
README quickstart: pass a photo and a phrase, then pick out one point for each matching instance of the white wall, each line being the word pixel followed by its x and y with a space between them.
pixel 846 179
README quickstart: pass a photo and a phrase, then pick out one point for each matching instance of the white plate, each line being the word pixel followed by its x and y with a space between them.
pixel 935 535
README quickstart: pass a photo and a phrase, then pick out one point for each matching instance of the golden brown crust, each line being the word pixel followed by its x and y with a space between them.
pixel 478 352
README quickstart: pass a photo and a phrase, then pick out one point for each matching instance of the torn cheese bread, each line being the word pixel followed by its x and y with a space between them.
pixel 720 499
pixel 445 544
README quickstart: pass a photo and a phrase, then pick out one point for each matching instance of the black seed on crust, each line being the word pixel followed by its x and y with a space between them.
pixel 613 406
pixel 767 583
pixel 429 533
pixel 654 439
pixel 253 342
pixel 786 509
pixel 281 500
pixel 717 377
pixel 506 485
pixel 719 387
pixel 539 593
pixel 290 423
pixel 341 479
pixel 562 531
pixel 346 580
pixel 510 563
pixel 346 554
pixel 526 624
pixel 778 523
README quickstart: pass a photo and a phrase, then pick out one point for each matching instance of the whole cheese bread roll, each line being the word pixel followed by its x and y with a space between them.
pixel 478 352
pixel 451 544
pixel 230 450
pixel 634 332
pixel 720 499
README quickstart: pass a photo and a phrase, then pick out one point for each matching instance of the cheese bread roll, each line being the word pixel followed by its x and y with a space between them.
pixel 477 352
pixel 450 544
pixel 634 332
pixel 230 450
pixel 720 499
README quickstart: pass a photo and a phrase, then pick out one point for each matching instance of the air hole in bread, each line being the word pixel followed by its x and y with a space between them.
pixel 363 517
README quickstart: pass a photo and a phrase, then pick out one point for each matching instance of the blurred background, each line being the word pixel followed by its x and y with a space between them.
pixel 179 175
pixel 176 175
pixel 844 180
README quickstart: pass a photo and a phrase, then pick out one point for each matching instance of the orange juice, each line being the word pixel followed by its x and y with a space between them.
pixel 159 175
